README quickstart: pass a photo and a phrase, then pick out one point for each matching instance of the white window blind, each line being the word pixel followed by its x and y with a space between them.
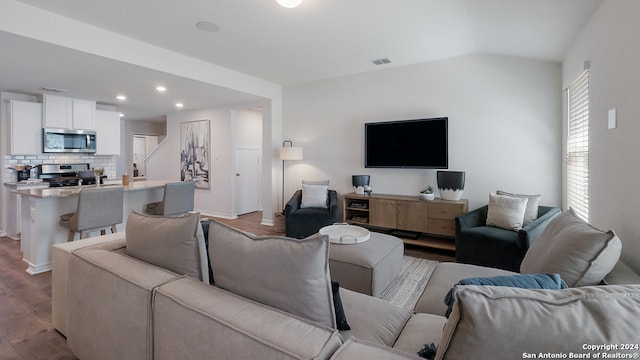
pixel 578 146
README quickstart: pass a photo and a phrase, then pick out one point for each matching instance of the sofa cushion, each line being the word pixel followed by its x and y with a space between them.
pixel 506 212
pixel 510 322
pixel 444 277
pixel 314 194
pixel 196 321
pixel 531 211
pixel 580 253
pixel 174 243
pixel 420 330
pixel 372 319
pixel 288 274
pixel 358 349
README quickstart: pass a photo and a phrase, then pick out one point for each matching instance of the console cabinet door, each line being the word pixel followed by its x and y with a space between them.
pixel 383 213
pixel 412 216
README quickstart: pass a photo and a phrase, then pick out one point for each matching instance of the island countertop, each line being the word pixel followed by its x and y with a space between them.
pixel 68 191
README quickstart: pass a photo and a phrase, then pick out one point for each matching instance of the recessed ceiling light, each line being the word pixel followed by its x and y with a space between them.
pixel 121 115
pixel 161 88
pixel 121 97
pixel 289 3
pixel 207 26
pixel 179 104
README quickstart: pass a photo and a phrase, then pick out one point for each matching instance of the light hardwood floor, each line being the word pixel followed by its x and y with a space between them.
pixel 26 332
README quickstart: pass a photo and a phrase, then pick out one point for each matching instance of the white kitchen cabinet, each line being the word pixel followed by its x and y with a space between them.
pixel 68 113
pixel 26 127
pixel 107 132
pixel 84 114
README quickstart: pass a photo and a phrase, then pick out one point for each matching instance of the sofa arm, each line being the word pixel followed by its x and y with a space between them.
pixel 108 292
pixel 293 204
pixel 474 218
pixel 60 255
pixel 528 234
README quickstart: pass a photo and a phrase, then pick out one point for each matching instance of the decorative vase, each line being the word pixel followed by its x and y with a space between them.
pixel 427 197
pixel 451 184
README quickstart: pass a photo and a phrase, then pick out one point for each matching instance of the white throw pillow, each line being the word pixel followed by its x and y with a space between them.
pixel 506 212
pixel 314 194
pixel 531 212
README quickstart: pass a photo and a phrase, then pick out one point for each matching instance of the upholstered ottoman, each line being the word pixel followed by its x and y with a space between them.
pixel 368 267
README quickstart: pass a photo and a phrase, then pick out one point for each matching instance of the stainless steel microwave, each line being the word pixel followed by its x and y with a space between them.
pixel 68 141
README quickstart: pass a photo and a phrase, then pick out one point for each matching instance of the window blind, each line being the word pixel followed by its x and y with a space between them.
pixel 578 146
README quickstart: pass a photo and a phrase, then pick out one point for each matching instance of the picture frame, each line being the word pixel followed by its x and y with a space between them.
pixel 194 152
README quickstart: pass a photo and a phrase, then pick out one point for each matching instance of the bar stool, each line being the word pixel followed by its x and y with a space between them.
pixel 177 199
pixel 97 209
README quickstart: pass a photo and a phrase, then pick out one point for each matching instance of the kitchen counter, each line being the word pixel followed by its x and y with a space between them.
pixel 73 190
pixel 41 210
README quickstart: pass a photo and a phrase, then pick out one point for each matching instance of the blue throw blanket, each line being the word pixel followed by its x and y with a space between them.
pixel 524 281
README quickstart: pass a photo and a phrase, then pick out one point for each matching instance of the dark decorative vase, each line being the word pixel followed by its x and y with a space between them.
pixel 451 184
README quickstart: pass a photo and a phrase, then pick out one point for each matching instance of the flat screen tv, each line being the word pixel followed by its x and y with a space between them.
pixel 413 144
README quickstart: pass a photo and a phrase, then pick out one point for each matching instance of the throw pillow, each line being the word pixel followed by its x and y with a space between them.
pixel 528 281
pixel 341 319
pixel 531 212
pixel 288 274
pixel 580 253
pixel 175 243
pixel 314 194
pixel 509 322
pixel 506 212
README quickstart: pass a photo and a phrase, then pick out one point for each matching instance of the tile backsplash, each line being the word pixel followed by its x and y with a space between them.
pixel 107 162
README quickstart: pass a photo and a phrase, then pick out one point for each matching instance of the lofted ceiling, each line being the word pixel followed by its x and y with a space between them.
pixel 319 39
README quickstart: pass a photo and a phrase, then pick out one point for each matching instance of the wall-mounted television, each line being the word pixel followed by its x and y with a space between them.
pixel 413 144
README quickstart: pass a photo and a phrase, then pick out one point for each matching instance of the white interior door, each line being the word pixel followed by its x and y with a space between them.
pixel 246 181
pixel 139 154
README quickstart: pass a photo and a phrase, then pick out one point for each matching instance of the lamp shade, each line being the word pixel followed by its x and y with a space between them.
pixel 290 153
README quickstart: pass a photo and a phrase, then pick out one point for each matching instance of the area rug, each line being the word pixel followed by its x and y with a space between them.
pixel 406 289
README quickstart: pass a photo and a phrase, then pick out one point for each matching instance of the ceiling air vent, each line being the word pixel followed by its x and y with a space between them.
pixel 382 61
pixel 52 89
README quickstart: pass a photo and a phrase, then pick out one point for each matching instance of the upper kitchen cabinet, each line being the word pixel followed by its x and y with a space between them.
pixel 68 113
pixel 107 132
pixel 26 127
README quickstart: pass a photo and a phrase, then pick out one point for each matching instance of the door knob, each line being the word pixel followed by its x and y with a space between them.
pixel 237 174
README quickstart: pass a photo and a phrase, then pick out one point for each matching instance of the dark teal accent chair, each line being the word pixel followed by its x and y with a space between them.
pixel 302 222
pixel 479 244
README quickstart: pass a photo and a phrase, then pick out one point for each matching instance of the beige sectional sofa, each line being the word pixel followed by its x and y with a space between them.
pixel 111 305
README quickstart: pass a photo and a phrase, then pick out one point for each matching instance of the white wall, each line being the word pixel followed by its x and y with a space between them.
pixel 230 128
pixel 610 43
pixel 504 125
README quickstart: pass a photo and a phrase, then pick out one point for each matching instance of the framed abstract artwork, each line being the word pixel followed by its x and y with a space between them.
pixel 194 152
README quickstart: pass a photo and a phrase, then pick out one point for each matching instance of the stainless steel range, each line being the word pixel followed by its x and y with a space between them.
pixel 58 175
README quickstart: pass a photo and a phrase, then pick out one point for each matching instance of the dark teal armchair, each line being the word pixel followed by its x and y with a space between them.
pixel 483 245
pixel 302 222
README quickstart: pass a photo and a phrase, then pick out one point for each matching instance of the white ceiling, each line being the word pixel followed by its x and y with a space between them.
pixel 319 39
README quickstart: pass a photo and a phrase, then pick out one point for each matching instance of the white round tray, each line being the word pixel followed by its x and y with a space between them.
pixel 345 234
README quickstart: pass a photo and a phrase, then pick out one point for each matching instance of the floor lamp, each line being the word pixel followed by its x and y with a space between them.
pixel 288 153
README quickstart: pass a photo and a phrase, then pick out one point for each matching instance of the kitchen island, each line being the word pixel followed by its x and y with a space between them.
pixel 41 210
